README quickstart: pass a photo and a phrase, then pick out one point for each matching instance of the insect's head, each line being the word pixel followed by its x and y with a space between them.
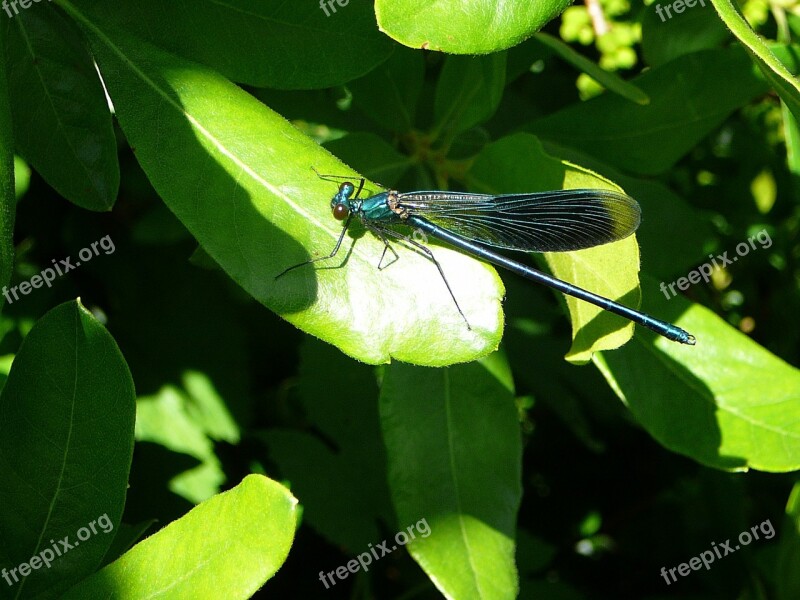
pixel 340 204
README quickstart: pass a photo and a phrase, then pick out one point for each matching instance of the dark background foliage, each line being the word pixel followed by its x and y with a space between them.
pixel 527 466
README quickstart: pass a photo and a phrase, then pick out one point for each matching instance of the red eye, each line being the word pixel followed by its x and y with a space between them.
pixel 340 212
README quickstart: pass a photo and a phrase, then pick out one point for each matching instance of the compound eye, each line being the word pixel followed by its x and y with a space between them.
pixel 340 212
pixel 347 189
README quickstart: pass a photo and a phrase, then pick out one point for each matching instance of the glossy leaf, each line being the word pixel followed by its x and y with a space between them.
pixel 610 81
pixel 376 159
pixel 239 178
pixel 787 574
pixel 468 91
pixel 690 97
pixel 189 424
pixel 315 107
pixel 663 212
pixel 62 124
pixel 390 93
pixel 475 27
pixel 779 77
pixel 664 39
pixel 126 536
pixel 454 451
pixel 789 59
pixel 295 45
pixel 226 547
pixel 66 443
pixel 791 133
pixel 699 400
pixel 518 163
pixel 340 473
pixel 557 386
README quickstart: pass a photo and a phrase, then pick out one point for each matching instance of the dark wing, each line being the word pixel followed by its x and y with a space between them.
pixel 557 221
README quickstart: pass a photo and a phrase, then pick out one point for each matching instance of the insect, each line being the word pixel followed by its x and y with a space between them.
pixel 553 221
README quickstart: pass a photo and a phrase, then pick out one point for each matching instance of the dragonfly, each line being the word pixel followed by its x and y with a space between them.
pixel 551 221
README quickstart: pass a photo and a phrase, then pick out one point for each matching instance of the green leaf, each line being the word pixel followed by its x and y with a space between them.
pixel 791 133
pixel 297 45
pixel 787 575
pixel 390 93
pixel 664 39
pixel 189 422
pixel 477 27
pixel 315 108
pixel 62 124
pixel 519 164
pixel 239 178
pixel 226 547
pixel 453 442
pixel 599 270
pixel 779 77
pixel 468 91
pixel 789 58
pixel 372 156
pixel 340 474
pixel 663 213
pixel 8 202
pixel 557 386
pixel 125 538
pixel 22 175
pixel 608 80
pixel 699 400
pixel 66 442
pixel 691 96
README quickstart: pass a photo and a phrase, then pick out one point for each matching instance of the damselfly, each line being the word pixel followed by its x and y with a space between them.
pixel 554 221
